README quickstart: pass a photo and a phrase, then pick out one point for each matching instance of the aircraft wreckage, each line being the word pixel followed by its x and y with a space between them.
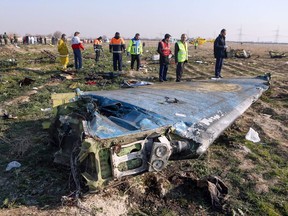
pixel 107 135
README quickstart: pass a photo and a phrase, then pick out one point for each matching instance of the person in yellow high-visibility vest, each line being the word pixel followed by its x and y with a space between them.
pixel 135 49
pixel 63 51
pixel 181 56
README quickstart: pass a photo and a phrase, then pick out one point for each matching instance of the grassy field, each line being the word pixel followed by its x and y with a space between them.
pixel 256 174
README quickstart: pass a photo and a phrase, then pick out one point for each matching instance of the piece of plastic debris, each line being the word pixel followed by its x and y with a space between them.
pixel 180 114
pixel 46 109
pixel 13 164
pixel 252 135
pixel 35 88
pixel 156 57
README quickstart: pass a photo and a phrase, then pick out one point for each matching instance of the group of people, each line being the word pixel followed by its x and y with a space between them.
pixel 135 49
pixel 13 39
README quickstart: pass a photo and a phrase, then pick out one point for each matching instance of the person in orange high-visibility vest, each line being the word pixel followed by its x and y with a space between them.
pixel 117 46
pixel 97 48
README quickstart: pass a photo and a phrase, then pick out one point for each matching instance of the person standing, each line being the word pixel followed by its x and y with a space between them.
pixel 181 56
pixel 164 51
pixel 97 48
pixel 135 49
pixel 63 51
pixel 77 46
pixel 196 44
pixel 117 46
pixel 15 39
pixel 220 52
pixel 5 37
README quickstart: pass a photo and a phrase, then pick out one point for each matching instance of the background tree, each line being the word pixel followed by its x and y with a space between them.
pixel 57 34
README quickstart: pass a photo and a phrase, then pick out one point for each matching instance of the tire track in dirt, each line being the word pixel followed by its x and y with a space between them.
pixel 249 70
pixel 197 71
pixel 273 65
pixel 233 69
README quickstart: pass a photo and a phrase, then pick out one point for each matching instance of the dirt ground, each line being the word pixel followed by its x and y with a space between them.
pixel 256 174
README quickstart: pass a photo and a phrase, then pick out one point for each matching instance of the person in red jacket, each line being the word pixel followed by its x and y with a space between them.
pixel 77 46
pixel 164 50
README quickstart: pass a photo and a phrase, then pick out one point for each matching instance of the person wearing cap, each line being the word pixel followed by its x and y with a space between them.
pixel 164 50
pixel 117 46
pixel 63 52
pixel 220 52
pixel 97 48
pixel 181 56
pixel 77 46
pixel 135 49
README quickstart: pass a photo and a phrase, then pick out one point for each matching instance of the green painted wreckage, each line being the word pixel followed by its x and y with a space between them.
pixel 107 135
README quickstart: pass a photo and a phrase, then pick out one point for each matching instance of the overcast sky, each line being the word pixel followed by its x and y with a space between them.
pixel 245 20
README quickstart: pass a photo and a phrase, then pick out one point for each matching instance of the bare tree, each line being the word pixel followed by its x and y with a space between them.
pixel 57 34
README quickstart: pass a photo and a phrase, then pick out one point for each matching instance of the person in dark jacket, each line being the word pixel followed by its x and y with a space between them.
pixel 220 52
pixel 164 49
pixel 117 46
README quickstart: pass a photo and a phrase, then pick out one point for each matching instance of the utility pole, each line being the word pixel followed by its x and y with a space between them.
pixel 277 35
pixel 240 34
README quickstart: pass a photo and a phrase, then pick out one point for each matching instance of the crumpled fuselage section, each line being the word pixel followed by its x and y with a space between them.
pixel 112 134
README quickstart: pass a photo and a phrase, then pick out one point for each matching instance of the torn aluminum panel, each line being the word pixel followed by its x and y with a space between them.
pixel 127 132
pixel 208 107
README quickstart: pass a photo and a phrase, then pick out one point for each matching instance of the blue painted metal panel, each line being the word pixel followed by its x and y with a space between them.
pixel 198 110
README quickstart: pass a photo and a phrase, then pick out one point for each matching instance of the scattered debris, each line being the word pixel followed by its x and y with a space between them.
pixel 8 63
pixel 199 62
pixel 26 81
pixel 46 109
pixel 47 56
pixel 252 135
pixel 91 82
pixel 274 54
pixel 134 83
pixel 12 165
pixel 242 53
pixel 239 53
pixel 58 77
pixel 216 188
pixel 6 115
pixel 155 58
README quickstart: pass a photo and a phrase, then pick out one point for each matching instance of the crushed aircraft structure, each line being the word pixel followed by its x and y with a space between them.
pixel 274 54
pixel 239 53
pixel 107 135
